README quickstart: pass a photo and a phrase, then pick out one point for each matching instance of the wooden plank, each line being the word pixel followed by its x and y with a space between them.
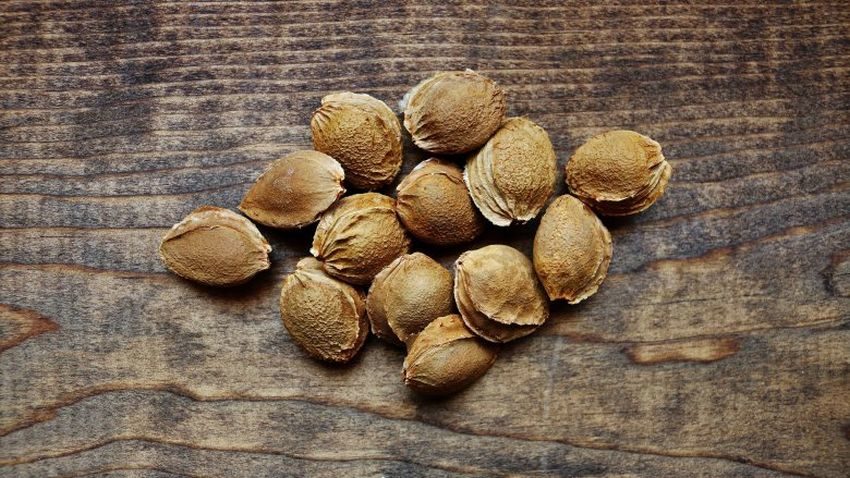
pixel 716 347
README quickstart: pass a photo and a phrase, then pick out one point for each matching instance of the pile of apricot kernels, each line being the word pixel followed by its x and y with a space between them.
pixel 482 169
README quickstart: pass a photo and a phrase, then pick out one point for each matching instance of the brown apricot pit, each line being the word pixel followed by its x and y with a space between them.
pixel 572 250
pixel 498 294
pixel 216 247
pixel 407 295
pixel 618 173
pixel 512 176
pixel 453 112
pixel 324 316
pixel 446 357
pixel 294 190
pixel 434 205
pixel 363 134
pixel 358 237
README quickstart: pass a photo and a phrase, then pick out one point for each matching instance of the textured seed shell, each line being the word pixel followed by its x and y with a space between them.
pixel 446 357
pixel 512 176
pixel 498 294
pixel 363 134
pixel 215 246
pixel 482 325
pixel 358 237
pixel 618 173
pixel 434 205
pixel 572 250
pixel 324 316
pixel 407 295
pixel 294 190
pixel 453 112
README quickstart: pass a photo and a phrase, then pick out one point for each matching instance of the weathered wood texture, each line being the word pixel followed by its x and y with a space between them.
pixel 718 346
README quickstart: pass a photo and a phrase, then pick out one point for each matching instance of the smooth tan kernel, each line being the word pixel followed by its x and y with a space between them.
pixel 572 250
pixel 446 357
pixel 294 190
pixel 434 205
pixel 512 176
pixel 453 112
pixel 498 293
pixel 618 173
pixel 358 237
pixel 324 316
pixel 363 134
pixel 215 246
pixel 407 295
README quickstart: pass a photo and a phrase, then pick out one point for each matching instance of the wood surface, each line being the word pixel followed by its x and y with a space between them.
pixel 718 346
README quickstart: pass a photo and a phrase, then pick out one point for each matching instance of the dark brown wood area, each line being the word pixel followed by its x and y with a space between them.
pixel 718 346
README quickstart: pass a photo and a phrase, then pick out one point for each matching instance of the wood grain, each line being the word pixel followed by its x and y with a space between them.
pixel 718 346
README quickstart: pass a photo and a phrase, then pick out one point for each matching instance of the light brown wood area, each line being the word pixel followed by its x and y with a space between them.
pixel 718 346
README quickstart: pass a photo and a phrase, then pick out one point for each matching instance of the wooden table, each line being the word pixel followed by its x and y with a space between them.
pixel 718 346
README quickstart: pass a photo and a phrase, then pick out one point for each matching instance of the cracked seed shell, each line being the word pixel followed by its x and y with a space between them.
pixel 215 246
pixel 324 316
pixel 363 134
pixel 512 176
pixel 446 357
pixel 407 295
pixel 294 190
pixel 434 205
pixel 498 294
pixel 359 236
pixel 572 250
pixel 618 173
pixel 453 112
